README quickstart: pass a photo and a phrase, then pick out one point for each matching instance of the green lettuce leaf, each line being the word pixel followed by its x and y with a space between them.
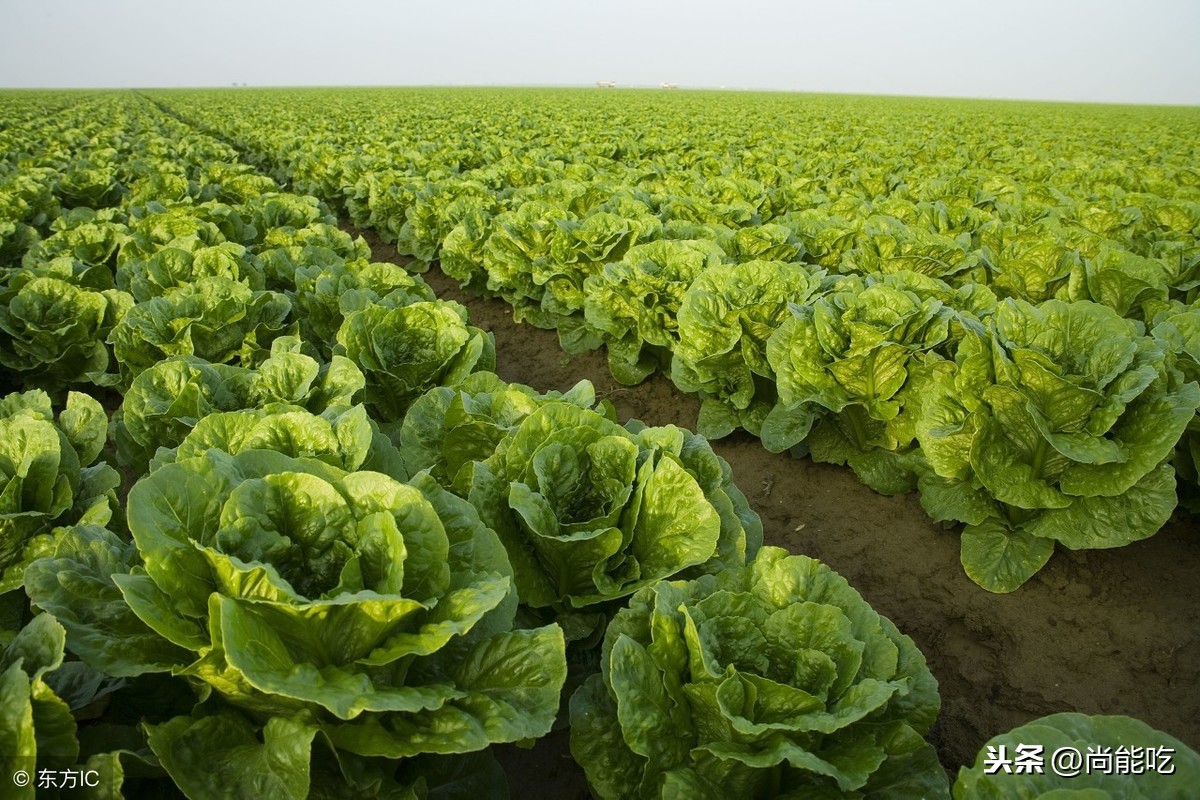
pixel 772 679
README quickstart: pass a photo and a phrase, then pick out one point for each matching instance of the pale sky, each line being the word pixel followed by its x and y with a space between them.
pixel 1106 51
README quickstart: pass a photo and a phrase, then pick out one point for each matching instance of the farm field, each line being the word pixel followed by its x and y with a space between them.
pixel 949 349
pixel 1082 635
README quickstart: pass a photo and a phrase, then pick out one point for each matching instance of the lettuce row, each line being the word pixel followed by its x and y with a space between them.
pixel 597 237
pixel 197 285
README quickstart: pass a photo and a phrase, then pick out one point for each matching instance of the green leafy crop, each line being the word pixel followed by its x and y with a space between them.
pixel 300 600
pixel 53 331
pixel 1055 424
pixel 47 475
pixel 727 316
pixel 404 351
pixel 218 319
pixel 164 403
pixel 588 510
pixel 771 680
pixel 632 305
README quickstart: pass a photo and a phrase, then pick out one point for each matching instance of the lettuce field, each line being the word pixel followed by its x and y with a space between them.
pixel 626 444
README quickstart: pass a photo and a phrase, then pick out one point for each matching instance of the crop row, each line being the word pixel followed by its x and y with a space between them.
pixel 323 580
pixel 1012 331
pixel 145 258
pixel 350 558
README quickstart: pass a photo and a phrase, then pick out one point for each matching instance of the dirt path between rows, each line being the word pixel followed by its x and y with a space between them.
pixel 1101 632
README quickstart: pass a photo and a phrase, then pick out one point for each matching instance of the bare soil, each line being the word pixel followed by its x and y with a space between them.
pixel 1100 632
